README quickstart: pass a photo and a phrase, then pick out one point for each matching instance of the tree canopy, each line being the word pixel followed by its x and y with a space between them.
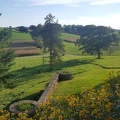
pixel 94 39
pixel 52 40
pixel 48 36
pixel 6 56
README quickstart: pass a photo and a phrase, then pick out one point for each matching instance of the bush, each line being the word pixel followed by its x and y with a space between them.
pixel 10 83
pixel 1 85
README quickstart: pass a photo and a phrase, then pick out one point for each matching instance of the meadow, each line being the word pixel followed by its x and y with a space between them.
pixel 33 75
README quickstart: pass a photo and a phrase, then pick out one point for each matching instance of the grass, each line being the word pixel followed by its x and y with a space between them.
pixel 20 36
pixel 33 76
pixel 67 35
pixel 70 48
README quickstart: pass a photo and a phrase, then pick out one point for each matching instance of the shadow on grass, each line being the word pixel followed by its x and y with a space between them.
pixel 34 97
pixel 26 74
pixel 107 67
pixel 73 63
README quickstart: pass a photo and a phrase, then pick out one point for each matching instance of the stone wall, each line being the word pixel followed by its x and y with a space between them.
pixel 44 97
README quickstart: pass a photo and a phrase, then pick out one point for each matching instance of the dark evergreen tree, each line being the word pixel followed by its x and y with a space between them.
pixel 52 41
pixel 6 56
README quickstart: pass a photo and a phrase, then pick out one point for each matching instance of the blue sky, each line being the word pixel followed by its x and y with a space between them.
pixel 78 12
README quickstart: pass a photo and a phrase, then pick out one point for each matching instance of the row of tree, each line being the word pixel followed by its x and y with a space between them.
pixel 93 39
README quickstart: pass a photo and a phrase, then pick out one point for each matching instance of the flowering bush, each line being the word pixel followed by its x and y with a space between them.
pixel 92 104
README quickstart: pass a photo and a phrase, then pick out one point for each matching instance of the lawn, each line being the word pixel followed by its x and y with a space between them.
pixel 20 36
pixel 67 35
pixel 33 76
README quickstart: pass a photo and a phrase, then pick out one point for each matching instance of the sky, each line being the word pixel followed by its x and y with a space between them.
pixel 68 12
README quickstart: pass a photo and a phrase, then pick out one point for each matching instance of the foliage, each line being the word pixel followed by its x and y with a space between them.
pixel 36 34
pixel 22 29
pixel 48 36
pixel 6 56
pixel 52 40
pixel 91 104
pixel 95 39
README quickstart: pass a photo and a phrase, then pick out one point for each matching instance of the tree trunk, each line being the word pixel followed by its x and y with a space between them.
pixel 51 65
pixel 98 54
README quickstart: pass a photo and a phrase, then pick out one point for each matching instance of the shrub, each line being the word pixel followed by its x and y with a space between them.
pixel 10 83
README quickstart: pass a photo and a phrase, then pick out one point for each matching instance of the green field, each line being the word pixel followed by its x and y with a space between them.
pixel 20 36
pixel 32 80
pixel 67 35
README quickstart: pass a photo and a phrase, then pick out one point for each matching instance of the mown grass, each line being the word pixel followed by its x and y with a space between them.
pixel 33 76
pixel 20 36
pixel 71 48
pixel 67 35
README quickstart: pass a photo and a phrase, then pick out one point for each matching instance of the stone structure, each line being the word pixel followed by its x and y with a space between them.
pixel 44 97
pixel 14 109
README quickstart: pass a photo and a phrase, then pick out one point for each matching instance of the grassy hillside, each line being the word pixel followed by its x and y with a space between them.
pixel 20 36
pixel 33 76
pixel 67 35
pixel 23 44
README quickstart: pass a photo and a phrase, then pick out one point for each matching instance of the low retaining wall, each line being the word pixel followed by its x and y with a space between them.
pixel 44 97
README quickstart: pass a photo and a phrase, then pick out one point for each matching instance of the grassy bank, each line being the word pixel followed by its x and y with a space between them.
pixel 33 76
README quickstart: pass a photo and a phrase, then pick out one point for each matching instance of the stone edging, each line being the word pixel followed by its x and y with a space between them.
pixel 13 108
pixel 44 97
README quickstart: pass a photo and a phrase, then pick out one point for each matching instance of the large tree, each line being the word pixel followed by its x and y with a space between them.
pixel 94 39
pixel 36 33
pixel 51 39
pixel 6 56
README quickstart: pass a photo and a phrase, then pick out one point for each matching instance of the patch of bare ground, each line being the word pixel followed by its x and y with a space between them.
pixel 24 47
pixel 70 40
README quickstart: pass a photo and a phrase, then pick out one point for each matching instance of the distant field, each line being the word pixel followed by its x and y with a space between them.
pixel 69 37
pixel 20 36
pixel 24 45
pixel 71 48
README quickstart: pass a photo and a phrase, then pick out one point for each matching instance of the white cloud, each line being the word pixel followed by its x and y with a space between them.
pixel 50 2
pixel 70 2
pixel 104 2
pixel 110 20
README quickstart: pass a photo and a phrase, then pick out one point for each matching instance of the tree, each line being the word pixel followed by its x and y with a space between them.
pixel 36 34
pixel 51 39
pixel 6 56
pixel 22 29
pixel 95 39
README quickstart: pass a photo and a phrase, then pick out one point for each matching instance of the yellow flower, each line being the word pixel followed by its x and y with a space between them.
pixel 108 107
pixel 60 117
